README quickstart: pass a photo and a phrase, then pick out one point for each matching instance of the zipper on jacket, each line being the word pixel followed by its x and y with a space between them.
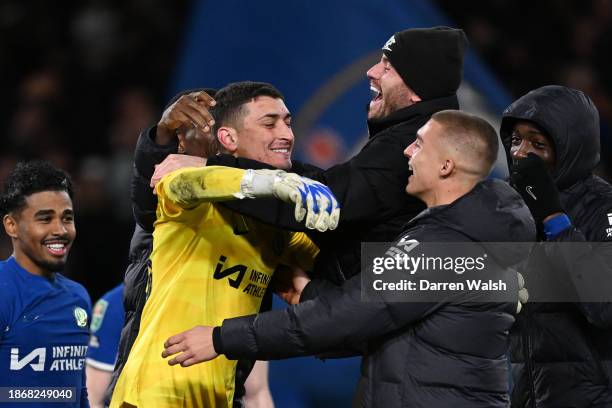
pixel 527 350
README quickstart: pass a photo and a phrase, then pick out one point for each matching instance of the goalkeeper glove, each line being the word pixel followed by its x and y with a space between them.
pixel 312 200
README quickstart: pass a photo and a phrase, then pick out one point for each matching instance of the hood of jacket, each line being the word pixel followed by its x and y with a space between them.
pixel 491 212
pixel 570 118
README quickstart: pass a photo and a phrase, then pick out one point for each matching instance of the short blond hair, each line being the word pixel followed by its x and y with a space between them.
pixel 471 135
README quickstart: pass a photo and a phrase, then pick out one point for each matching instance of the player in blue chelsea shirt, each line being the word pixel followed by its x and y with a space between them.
pixel 43 315
pixel 106 325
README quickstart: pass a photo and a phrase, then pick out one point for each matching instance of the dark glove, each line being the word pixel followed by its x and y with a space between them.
pixel 531 179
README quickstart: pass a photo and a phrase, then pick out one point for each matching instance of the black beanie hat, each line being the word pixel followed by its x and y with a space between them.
pixel 429 60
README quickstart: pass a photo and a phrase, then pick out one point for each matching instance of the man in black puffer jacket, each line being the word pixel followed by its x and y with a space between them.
pixel 562 352
pixel 446 353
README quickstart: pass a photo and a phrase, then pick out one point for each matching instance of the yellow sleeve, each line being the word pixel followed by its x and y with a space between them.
pixel 191 186
pixel 301 251
pixel 185 194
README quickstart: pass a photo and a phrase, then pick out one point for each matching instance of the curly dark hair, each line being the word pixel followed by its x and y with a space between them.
pixel 28 178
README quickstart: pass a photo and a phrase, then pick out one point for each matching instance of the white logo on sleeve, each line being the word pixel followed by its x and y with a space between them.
pixel 38 353
pixel 610 218
pixel 530 192
pixel 609 229
pixel 403 247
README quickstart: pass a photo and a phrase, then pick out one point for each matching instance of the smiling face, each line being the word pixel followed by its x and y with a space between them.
pixel 390 91
pixel 425 160
pixel 265 134
pixel 42 232
pixel 528 138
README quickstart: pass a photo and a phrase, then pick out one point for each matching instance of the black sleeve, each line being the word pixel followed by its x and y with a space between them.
pixel 227 160
pixel 588 265
pixel 316 287
pixel 146 156
pixel 316 326
pixel 266 301
pixel 307 170
pixel 267 210
pixel 338 318
pixel 370 187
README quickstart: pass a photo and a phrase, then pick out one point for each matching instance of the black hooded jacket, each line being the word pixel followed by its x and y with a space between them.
pixel 562 352
pixel 439 354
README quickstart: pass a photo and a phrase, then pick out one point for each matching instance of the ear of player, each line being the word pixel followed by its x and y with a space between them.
pixel 312 200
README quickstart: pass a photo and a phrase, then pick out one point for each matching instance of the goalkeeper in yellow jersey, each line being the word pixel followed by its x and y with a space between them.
pixel 209 263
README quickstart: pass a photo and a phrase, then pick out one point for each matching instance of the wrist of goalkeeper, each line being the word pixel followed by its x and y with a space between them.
pixel 312 199
pixel 260 183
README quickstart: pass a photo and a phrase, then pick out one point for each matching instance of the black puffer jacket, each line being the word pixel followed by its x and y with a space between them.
pixel 562 352
pixel 419 354
pixel 370 187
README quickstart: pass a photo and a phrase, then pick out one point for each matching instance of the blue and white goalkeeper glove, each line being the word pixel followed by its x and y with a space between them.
pixel 312 200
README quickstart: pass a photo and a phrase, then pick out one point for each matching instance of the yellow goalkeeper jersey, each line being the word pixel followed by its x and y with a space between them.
pixel 208 264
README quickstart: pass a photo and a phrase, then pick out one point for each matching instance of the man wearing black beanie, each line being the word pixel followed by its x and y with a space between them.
pixel 430 61
pixel 417 65
pixel 418 75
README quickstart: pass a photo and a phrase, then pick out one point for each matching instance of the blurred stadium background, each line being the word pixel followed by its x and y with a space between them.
pixel 81 79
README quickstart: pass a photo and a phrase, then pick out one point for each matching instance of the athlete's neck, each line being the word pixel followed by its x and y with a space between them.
pixel 30 266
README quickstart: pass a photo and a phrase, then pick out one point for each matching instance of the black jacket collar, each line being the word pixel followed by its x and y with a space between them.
pixel 412 113
pixel 491 212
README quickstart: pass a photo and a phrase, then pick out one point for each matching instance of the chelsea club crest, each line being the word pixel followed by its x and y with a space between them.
pixel 81 316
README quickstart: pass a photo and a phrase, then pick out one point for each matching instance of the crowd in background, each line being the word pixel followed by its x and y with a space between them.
pixel 530 44
pixel 80 81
